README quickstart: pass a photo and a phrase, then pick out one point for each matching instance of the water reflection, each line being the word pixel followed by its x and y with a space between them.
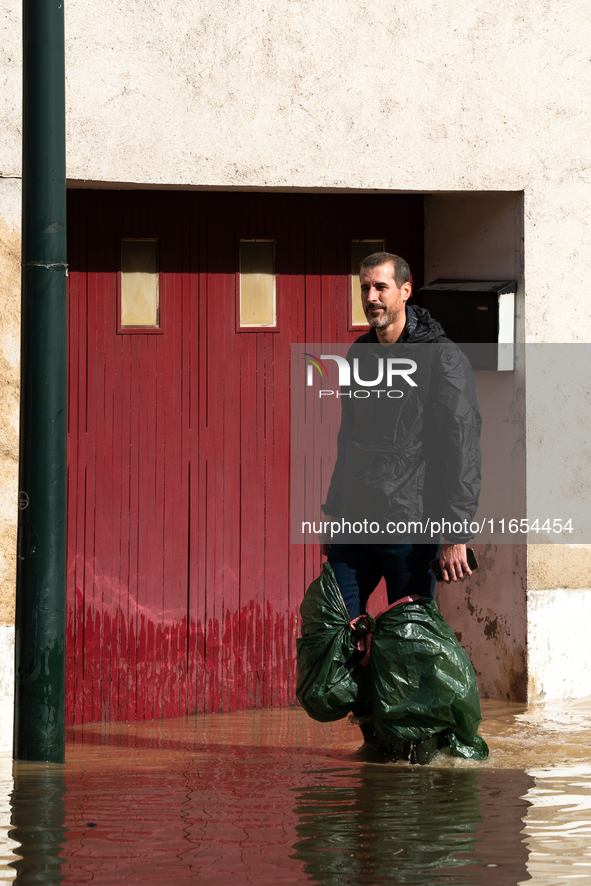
pixel 558 826
pixel 37 819
pixel 411 826
pixel 266 798
pixel 263 816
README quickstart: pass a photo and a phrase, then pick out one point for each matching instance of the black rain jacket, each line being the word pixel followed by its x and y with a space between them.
pixel 417 457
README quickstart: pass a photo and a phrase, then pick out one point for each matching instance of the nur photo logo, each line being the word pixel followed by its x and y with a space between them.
pixel 388 371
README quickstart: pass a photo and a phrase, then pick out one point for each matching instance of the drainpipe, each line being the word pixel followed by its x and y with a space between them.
pixel 39 722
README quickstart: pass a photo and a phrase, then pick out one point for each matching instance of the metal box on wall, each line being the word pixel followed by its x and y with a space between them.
pixel 477 314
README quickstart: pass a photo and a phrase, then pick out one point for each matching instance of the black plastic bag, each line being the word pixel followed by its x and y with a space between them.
pixel 417 680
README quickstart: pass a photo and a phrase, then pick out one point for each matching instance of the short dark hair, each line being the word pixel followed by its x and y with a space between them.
pixel 376 259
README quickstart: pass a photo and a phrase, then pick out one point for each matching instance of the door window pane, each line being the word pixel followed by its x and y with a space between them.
pixel 139 283
pixel 258 296
pixel 360 249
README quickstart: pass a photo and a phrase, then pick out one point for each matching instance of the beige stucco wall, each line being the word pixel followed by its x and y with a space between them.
pixel 349 94
pixel 9 388
pixel 320 94
pixel 10 211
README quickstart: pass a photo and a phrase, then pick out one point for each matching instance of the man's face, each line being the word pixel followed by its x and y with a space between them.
pixel 381 298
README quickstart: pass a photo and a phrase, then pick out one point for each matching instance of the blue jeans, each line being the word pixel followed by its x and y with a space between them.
pixel 358 570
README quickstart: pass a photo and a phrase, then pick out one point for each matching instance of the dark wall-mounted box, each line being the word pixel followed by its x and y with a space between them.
pixel 477 314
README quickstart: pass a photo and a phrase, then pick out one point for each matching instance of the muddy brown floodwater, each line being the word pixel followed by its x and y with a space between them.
pixel 270 798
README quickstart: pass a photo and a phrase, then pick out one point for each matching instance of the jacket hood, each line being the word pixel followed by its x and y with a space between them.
pixel 420 326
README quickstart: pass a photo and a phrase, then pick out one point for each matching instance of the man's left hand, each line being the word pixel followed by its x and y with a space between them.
pixel 454 562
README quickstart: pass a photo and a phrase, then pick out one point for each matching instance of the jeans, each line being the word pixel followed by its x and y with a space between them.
pixel 358 570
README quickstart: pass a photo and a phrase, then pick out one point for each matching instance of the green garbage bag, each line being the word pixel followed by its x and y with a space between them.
pixel 330 681
pixel 417 679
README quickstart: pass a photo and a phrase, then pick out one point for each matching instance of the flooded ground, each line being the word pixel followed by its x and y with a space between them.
pixel 271 797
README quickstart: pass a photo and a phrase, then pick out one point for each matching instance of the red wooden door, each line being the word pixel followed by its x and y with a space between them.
pixel 183 585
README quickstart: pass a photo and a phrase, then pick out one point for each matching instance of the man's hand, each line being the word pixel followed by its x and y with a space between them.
pixel 454 563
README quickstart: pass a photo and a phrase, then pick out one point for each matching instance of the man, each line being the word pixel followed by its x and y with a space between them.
pixel 404 460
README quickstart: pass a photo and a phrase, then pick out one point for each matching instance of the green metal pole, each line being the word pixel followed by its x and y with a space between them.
pixel 39 723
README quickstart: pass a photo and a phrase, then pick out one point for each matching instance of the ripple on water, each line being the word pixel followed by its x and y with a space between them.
pixel 270 797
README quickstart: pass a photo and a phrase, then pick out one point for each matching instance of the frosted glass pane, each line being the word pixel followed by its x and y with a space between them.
pixel 360 249
pixel 257 283
pixel 139 283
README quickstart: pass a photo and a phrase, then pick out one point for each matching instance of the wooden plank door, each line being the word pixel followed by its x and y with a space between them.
pixel 183 585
